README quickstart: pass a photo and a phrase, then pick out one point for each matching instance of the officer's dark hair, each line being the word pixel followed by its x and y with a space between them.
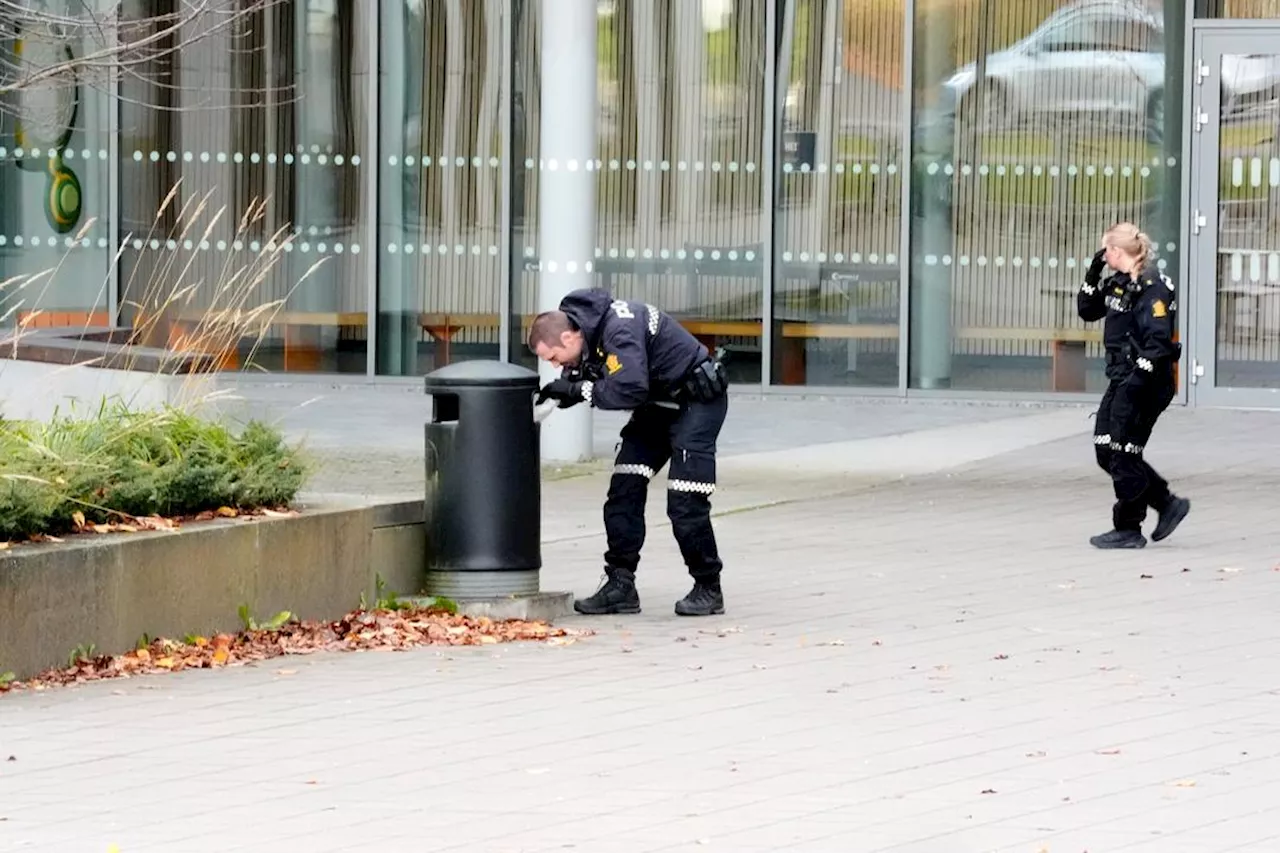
pixel 1130 238
pixel 547 328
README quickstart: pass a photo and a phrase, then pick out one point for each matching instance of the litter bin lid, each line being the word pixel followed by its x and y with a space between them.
pixel 481 374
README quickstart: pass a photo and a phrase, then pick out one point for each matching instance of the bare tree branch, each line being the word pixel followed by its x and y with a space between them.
pixel 47 45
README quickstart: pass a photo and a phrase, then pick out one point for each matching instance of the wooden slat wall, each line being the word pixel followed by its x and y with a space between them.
pixel 1251 9
pixel 681 141
pixel 453 180
pixel 844 86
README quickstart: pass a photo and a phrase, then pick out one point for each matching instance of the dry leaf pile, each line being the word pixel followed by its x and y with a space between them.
pixel 135 524
pixel 384 630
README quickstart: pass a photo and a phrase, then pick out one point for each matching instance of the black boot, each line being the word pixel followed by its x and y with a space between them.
pixel 1170 517
pixel 1119 539
pixel 705 599
pixel 617 595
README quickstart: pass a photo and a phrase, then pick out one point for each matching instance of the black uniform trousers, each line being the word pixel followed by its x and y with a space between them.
pixel 655 435
pixel 1126 416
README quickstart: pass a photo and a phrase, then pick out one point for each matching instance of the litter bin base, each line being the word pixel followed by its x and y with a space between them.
pixel 538 607
pixel 468 584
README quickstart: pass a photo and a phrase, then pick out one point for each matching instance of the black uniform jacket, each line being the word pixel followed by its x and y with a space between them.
pixel 634 353
pixel 1141 318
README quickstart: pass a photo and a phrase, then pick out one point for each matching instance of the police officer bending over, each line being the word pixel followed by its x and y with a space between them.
pixel 1140 307
pixel 628 355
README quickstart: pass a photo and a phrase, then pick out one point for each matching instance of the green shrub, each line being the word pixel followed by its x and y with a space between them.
pixel 119 463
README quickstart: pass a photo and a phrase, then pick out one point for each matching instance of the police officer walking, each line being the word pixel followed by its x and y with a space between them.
pixel 618 354
pixel 1139 305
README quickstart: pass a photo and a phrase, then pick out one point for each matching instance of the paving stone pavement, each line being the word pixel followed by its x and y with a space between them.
pixel 923 655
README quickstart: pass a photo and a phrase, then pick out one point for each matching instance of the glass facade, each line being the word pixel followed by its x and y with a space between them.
pixel 887 196
pixel 1037 124
pixel 242 213
pixel 838 205
pixel 441 143
pixel 56 218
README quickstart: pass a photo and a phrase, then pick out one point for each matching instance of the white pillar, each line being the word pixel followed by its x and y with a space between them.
pixel 567 189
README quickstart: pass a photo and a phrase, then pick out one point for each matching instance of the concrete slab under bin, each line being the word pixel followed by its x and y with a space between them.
pixel 538 606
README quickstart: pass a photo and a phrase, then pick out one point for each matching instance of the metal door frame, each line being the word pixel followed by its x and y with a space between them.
pixel 1211 40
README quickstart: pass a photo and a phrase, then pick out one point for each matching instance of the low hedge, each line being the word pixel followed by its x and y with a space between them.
pixel 118 464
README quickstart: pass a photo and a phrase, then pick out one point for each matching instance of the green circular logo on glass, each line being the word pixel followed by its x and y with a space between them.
pixel 46 117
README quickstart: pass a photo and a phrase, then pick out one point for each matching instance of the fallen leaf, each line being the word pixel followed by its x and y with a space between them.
pixel 1001 657
pixel 1108 752
pixel 5 546
pixel 989 791
pixel 1145 577
pixel 1185 783
pixel 226 512
pixel 77 519
pixel 286 672
pixel 359 630
pixel 1229 570
pixel 876 643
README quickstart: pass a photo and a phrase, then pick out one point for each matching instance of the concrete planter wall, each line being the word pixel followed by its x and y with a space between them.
pixel 111 589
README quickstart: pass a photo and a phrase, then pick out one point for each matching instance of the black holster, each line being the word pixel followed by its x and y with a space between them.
pixel 706 382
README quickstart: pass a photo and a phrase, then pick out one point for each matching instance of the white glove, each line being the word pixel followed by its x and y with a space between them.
pixel 543 410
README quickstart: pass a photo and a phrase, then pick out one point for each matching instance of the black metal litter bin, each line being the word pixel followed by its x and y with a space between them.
pixel 484 481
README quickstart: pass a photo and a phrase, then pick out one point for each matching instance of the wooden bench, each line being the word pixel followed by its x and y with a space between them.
pixel 443 325
pixel 61 318
pixel 793 336
pixel 1069 347
pixel 202 332
pixel 302 350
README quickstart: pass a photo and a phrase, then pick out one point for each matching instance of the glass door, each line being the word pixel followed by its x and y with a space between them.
pixel 1233 295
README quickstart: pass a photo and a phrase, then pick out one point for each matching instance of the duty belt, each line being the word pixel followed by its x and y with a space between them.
pixel 1114 359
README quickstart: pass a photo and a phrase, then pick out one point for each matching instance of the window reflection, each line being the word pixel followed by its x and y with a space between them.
pixel 439 206
pixel 838 208
pixel 242 181
pixel 680 159
pixel 1037 125
pixel 55 252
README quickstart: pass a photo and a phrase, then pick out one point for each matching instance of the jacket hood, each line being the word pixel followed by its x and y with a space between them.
pixel 586 308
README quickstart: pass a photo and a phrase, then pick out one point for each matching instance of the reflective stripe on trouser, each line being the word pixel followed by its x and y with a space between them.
pixel 655 435
pixel 690 483
pixel 1126 417
pixel 640 456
